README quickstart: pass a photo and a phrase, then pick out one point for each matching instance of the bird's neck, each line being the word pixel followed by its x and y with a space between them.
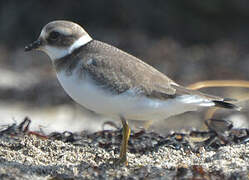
pixel 68 62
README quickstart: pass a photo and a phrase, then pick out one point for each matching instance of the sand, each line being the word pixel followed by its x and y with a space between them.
pixel 90 156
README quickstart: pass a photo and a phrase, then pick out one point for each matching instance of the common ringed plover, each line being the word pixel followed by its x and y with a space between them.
pixel 109 81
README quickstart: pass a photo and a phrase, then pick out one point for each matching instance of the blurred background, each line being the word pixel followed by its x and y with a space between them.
pixel 189 40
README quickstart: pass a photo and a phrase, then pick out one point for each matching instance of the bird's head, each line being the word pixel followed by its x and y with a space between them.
pixel 60 38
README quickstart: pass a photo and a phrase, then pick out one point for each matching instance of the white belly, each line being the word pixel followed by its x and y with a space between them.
pixel 86 93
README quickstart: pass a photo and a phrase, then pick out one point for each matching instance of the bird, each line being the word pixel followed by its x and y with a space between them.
pixel 114 83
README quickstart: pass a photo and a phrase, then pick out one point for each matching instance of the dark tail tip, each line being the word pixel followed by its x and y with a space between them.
pixel 226 105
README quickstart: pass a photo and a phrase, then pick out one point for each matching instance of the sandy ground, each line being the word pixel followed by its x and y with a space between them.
pixel 90 156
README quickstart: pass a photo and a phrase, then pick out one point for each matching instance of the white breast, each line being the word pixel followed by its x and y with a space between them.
pixel 93 97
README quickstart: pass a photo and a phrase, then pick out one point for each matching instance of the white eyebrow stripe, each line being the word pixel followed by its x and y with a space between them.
pixel 80 42
pixel 65 32
pixel 42 35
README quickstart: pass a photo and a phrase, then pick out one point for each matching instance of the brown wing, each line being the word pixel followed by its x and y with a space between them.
pixel 119 71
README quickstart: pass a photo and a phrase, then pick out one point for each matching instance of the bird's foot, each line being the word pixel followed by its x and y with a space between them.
pixel 117 162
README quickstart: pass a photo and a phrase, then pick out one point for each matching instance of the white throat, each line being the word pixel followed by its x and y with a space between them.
pixel 59 52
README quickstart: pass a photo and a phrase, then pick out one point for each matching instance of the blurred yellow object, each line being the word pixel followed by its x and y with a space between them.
pixel 219 83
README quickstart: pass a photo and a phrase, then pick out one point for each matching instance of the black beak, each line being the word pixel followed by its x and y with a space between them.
pixel 33 45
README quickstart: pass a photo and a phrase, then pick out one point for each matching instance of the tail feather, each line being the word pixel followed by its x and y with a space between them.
pixel 226 105
pixel 204 99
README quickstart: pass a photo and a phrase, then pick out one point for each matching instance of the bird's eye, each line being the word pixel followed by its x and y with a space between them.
pixel 54 35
